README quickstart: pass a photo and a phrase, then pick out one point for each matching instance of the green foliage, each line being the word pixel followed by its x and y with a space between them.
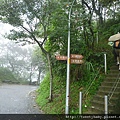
pixel 52 22
pixel 57 106
pixel 6 74
pixel 38 59
pixel 107 2
pixel 43 92
pixel 111 27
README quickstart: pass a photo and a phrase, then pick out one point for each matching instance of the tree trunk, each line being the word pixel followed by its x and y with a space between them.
pixel 30 75
pixel 30 79
pixel 51 77
pixel 49 64
pixel 38 81
pixel 98 11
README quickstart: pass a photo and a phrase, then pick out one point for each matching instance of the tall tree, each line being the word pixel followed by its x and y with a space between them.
pixel 16 58
pixel 38 62
pixel 31 18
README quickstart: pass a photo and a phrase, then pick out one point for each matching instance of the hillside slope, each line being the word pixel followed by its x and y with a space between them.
pixel 6 76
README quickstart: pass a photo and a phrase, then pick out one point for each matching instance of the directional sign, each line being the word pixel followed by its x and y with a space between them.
pixel 76 56
pixel 76 61
pixel 61 57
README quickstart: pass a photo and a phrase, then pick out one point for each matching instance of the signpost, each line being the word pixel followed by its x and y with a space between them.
pixel 76 61
pixel 61 57
pixel 71 59
pixel 74 58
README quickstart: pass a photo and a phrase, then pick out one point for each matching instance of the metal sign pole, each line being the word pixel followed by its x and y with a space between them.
pixel 68 64
pixel 80 103
pixel 105 63
pixel 106 106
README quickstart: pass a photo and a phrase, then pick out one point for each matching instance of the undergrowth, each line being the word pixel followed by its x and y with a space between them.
pixel 57 106
pixel 81 78
pixel 6 74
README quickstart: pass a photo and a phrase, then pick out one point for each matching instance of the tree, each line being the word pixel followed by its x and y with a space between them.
pixel 31 18
pixel 17 59
pixel 38 63
pixel 48 20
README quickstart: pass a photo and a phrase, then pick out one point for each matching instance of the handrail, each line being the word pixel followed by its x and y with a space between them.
pixel 105 65
pixel 110 94
pixel 86 92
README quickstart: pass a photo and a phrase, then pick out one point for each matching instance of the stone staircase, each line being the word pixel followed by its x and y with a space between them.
pixel 97 103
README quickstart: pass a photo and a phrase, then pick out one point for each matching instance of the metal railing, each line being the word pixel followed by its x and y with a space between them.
pixel 91 83
pixel 110 94
pixel 112 91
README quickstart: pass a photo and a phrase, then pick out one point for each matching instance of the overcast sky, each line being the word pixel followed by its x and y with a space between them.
pixel 4 28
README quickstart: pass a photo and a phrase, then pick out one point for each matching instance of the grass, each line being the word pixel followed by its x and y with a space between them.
pixel 57 106
pixel 58 103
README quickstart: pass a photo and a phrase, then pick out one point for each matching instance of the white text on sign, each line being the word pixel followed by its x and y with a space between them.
pixel 76 56
pixel 76 61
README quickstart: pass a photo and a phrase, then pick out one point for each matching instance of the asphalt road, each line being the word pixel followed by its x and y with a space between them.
pixel 17 99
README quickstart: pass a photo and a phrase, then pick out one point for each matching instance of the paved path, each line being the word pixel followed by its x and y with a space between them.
pixel 16 99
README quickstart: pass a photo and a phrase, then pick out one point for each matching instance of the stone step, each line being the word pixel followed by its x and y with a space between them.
pixel 113 75
pixel 108 88
pixel 111 79
pixel 109 84
pixel 114 71
pixel 114 67
pixel 103 93
pixel 101 105
pixel 102 98
pixel 97 110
